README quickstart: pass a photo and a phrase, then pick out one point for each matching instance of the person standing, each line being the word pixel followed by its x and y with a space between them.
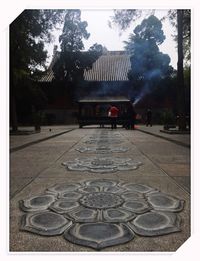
pixel 113 114
pixel 130 115
pixel 149 117
pixel 101 115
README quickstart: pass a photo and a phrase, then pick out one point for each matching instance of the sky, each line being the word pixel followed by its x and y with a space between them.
pixel 110 37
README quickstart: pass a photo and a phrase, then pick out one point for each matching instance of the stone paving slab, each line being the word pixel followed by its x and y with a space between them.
pixel 49 171
pixel 183 139
pixel 29 162
pixel 29 242
pixel 19 141
pixel 173 159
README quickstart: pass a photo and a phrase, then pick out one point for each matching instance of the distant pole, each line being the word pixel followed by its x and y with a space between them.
pixel 180 75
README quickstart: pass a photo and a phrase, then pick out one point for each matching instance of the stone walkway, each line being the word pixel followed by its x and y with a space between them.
pixel 87 180
pixel 18 142
pixel 180 139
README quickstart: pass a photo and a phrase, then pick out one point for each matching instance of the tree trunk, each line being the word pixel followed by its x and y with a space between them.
pixel 13 113
pixel 180 75
pixel 36 119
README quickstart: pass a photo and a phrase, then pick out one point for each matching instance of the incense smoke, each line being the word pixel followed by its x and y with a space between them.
pixel 148 86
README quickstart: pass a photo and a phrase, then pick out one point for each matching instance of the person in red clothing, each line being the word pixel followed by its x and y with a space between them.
pixel 113 114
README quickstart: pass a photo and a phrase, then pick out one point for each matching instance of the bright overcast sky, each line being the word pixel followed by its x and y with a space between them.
pixel 101 33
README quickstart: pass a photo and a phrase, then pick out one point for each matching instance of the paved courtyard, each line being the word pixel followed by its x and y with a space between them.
pixel 95 189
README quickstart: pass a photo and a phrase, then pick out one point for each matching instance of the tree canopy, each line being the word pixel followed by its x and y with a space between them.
pixel 123 18
pixel 181 19
pixel 28 34
pixel 186 25
pixel 74 30
pixel 72 60
pixel 148 64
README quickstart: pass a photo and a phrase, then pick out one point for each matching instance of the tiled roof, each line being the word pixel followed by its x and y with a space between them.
pixel 49 75
pixel 112 66
pixel 105 99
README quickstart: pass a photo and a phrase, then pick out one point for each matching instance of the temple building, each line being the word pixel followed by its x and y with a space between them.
pixel 107 77
pixel 111 66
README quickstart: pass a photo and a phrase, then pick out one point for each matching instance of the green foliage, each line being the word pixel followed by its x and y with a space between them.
pixel 28 33
pixel 31 94
pixel 187 83
pixel 183 26
pixel 70 66
pixel 150 30
pixel 187 76
pixel 124 17
pixel 172 15
pixel 72 60
pixel 74 31
pixel 148 65
pixel 168 118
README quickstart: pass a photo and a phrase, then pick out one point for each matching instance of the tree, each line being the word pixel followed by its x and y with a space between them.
pixel 74 30
pixel 183 40
pixel 148 65
pixel 186 27
pixel 123 18
pixel 181 20
pixel 72 60
pixel 28 33
pixel 180 75
pixel 183 32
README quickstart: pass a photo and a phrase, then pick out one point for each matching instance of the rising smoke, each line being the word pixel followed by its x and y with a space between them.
pixel 150 78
